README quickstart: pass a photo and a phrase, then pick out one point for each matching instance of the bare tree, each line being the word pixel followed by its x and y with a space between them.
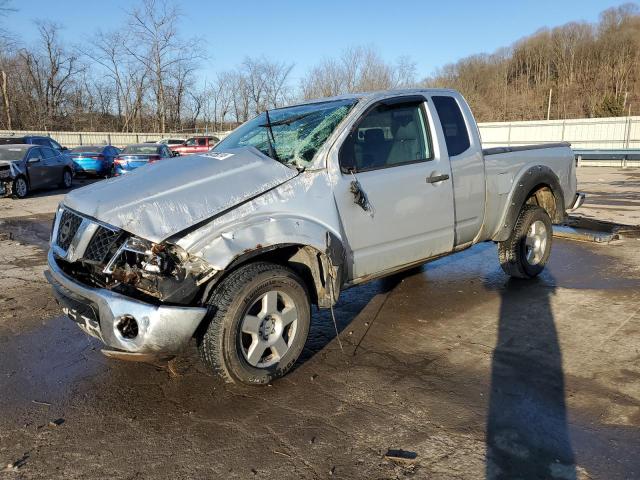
pixel 357 69
pixel 159 48
pixel 51 69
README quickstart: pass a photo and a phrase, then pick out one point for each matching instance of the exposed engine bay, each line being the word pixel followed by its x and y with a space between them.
pixel 144 270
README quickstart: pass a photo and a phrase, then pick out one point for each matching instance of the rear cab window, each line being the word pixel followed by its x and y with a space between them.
pixel 454 127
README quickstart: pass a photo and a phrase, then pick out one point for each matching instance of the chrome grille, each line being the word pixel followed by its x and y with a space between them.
pixel 101 244
pixel 67 229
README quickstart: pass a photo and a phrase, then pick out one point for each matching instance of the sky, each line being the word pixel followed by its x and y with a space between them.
pixel 431 33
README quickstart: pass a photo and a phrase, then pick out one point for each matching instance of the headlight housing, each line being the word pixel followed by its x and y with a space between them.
pixel 163 270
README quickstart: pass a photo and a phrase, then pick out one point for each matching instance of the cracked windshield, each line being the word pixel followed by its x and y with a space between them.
pixel 290 135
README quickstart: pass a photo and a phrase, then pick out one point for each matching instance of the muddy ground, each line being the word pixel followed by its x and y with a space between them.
pixel 471 374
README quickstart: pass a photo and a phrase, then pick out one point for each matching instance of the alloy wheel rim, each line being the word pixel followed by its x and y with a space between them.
pixel 67 179
pixel 268 329
pixel 21 187
pixel 536 242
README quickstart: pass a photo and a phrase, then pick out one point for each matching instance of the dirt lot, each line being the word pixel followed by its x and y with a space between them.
pixel 474 375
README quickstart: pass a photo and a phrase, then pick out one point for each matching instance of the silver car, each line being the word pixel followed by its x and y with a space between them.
pixel 28 167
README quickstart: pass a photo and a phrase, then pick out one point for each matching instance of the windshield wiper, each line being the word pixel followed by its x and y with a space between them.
pixel 271 141
pixel 286 121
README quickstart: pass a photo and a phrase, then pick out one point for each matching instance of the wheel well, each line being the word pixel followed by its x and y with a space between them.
pixel 306 261
pixel 543 196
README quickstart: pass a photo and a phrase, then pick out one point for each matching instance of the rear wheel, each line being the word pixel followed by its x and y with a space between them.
pixel 20 187
pixel 526 252
pixel 260 316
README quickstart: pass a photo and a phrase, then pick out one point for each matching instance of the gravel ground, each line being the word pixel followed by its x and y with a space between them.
pixel 472 374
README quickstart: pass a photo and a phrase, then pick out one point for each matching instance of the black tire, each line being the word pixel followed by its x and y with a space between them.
pixel 220 342
pixel 20 187
pixel 513 251
pixel 67 179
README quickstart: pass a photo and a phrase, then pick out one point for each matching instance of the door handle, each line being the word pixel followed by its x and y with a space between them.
pixel 437 178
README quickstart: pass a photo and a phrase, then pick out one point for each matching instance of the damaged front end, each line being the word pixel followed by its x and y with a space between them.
pixel 103 256
pixel 8 172
pixel 162 271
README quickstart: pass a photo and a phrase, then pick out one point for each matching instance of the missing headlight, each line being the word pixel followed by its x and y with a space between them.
pixel 164 271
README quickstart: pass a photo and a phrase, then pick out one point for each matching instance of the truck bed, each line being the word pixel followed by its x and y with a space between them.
pixel 521 148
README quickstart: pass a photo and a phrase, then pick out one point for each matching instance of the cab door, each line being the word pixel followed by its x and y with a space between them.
pixel 394 194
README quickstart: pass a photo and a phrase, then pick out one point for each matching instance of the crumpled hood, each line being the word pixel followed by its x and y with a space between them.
pixel 161 199
pixel 14 166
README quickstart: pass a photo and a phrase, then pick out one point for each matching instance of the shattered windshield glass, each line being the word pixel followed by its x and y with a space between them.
pixel 298 132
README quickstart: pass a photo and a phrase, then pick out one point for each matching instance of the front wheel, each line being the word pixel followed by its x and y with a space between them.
pixel 526 252
pixel 20 187
pixel 259 322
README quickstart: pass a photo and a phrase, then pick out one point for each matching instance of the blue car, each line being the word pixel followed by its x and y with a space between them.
pixel 137 155
pixel 94 159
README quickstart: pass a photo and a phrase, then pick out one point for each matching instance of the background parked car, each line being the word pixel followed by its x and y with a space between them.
pixel 139 154
pixel 172 141
pixel 199 144
pixel 34 140
pixel 27 167
pixel 94 159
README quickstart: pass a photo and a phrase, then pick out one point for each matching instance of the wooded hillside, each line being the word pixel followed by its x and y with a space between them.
pixel 146 75
pixel 593 70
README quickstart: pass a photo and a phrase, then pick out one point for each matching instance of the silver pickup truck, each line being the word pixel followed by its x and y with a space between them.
pixel 233 247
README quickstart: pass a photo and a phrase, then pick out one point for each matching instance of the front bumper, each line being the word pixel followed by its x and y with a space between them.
pixel 97 311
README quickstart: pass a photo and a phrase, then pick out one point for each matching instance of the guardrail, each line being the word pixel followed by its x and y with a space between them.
pixel 622 158
pixel 583 133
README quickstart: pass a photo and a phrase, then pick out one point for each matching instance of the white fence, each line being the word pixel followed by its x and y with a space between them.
pixel 587 133
pixel 74 139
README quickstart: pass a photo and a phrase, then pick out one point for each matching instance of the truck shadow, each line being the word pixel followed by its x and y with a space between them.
pixel 352 302
pixel 527 434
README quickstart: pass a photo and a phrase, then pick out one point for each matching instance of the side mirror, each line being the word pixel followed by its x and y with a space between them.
pixel 64 149
pixel 346 159
pixel 34 160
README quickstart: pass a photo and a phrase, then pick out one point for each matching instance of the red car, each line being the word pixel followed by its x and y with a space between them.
pixel 195 145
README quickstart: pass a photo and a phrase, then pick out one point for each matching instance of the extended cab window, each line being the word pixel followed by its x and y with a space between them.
pixel 455 131
pixel 387 136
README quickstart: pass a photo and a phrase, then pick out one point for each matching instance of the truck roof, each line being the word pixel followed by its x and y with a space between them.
pixel 377 94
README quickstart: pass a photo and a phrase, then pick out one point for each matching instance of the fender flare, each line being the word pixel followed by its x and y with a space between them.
pixel 318 248
pixel 531 180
